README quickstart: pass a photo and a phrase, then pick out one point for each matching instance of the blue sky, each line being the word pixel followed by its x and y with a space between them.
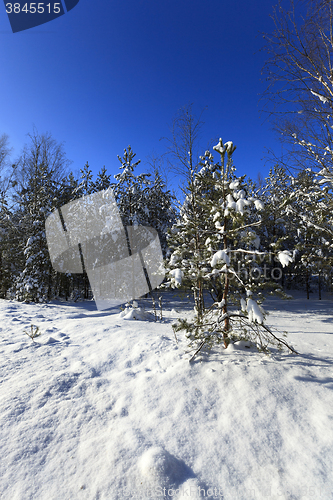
pixel 112 73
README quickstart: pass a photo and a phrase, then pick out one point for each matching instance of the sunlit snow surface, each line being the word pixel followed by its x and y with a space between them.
pixel 104 408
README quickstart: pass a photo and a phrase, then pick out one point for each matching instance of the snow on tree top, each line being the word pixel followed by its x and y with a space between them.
pixel 219 147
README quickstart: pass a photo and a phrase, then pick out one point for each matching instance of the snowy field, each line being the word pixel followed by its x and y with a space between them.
pixel 105 408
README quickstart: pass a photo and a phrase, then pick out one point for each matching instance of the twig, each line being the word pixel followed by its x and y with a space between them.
pixel 160 304
pixel 174 332
pixel 196 352
pixel 154 305
pixel 279 340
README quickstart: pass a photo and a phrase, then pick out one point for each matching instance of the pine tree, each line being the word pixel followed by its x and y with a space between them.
pixel 40 169
pixel 186 238
pixel 33 283
pixel 276 231
pixel 161 213
pixel 86 186
pixel 6 239
pixel 102 181
pixel 215 247
pixel 311 207
pixel 131 191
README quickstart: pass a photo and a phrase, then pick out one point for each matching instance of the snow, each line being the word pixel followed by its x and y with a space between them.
pixel 219 147
pixel 259 205
pixel 285 257
pixel 234 184
pixel 218 256
pixel 229 145
pixel 254 312
pixel 177 275
pixel 231 202
pixel 174 259
pixel 321 97
pixel 240 204
pixel 136 313
pixel 102 408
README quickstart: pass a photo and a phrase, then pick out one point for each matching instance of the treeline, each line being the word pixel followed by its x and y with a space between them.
pixel 275 236
pixel 38 185
pixel 295 216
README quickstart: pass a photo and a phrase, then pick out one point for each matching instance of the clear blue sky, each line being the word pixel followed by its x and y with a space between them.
pixel 112 73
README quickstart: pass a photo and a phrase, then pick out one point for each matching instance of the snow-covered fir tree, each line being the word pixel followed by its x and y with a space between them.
pixel 86 185
pixel 311 206
pixel 8 238
pixel 36 201
pixel 215 247
pixel 161 210
pixel 276 230
pixel 131 191
pixel 103 180
pixel 186 237
pixel 41 166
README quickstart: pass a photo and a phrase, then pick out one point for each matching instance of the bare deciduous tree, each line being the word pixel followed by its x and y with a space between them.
pixel 183 144
pixel 299 72
pixel 43 150
pixel 5 151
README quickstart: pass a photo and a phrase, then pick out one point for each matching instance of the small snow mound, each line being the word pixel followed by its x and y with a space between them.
pixel 240 345
pixel 158 466
pixel 51 340
pixel 136 314
pixel 230 348
pixel 243 344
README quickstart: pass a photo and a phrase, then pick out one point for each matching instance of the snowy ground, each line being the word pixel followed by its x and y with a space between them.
pixel 104 408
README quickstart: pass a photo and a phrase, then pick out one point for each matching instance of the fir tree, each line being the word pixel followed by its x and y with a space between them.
pixel 102 181
pixel 161 213
pixel 86 186
pixel 276 231
pixel 6 240
pixel 311 208
pixel 40 169
pixel 33 283
pixel 214 234
pixel 131 191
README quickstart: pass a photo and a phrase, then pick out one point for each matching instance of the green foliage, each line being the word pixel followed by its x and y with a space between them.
pixel 215 247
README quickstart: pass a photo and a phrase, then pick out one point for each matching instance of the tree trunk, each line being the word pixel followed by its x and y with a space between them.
pixel 307 283
pixel 225 310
